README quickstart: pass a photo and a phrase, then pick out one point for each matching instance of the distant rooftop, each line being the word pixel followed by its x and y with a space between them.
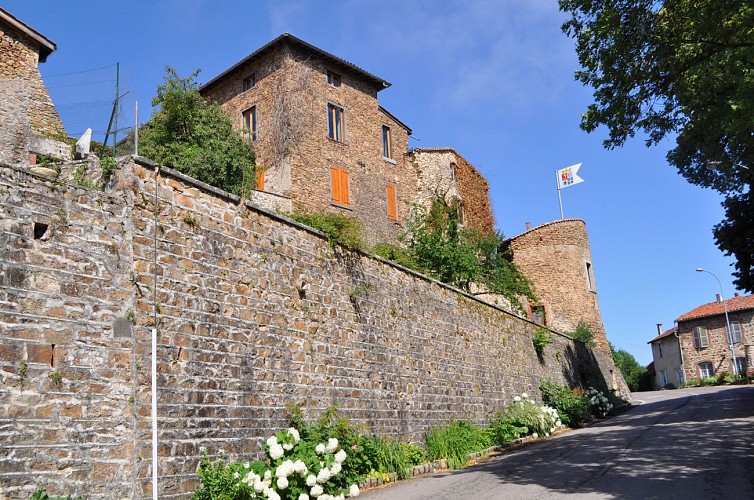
pixel 737 303
pixel 288 38
pixel 46 46
pixel 666 333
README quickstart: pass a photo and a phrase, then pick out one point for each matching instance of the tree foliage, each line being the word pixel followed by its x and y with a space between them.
pixel 196 137
pixel 632 371
pixel 438 245
pixel 678 66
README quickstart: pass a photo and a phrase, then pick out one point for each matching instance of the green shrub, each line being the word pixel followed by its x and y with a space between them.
pixel 395 253
pixel 573 408
pixel 540 420
pixel 541 339
pixel 455 441
pixel 41 494
pixel 584 334
pixel 708 381
pixel 504 430
pixel 340 230
pixel 599 404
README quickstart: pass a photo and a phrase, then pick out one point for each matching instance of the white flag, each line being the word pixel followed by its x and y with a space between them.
pixel 567 176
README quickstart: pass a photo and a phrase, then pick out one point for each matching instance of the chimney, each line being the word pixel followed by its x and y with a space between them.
pixel 735 294
pixel 528 226
pixel 659 328
pixel 718 297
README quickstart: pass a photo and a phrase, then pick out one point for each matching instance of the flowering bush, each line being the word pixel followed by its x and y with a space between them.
pixel 540 420
pixel 572 405
pixel 598 402
pixel 296 469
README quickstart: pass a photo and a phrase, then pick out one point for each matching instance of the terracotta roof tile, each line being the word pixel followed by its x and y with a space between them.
pixel 666 333
pixel 714 308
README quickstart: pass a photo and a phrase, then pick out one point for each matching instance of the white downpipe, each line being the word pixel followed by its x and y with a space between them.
pixel 154 413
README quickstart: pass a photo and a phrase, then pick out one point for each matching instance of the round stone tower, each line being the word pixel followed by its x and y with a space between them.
pixel 557 260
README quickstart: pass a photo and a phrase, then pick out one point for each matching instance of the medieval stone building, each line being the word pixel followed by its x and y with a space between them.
pixel 323 142
pixel 29 122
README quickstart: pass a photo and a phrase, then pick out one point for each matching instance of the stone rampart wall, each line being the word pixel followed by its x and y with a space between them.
pixel 254 311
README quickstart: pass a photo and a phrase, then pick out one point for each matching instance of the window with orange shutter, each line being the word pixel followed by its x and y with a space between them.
pixel 339 185
pixel 260 178
pixel 392 202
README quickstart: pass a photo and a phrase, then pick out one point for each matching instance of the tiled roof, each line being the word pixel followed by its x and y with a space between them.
pixel 379 82
pixel 739 303
pixel 434 150
pixel 666 333
pixel 559 221
pixel 46 46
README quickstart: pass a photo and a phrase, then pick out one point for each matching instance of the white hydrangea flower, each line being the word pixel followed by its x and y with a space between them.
pixel 311 480
pixel 268 474
pixel 316 490
pixel 335 469
pixel 246 465
pixel 300 467
pixel 259 486
pixel 320 449
pixel 285 469
pixel 517 399
pixel 276 451
pixel 271 494
pixel 353 491
pixel 272 441
pixel 282 483
pixel 236 475
pixel 303 496
pixel 326 497
pixel 288 446
pixel 340 457
pixel 524 396
pixel 535 435
pixel 332 445
pixel 294 432
pixel 324 475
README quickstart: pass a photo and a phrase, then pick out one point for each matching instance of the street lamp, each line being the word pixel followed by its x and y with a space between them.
pixel 727 321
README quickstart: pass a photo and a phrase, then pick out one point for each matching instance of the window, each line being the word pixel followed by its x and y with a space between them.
pixel 453 172
pixel 681 377
pixel 659 349
pixel 250 124
pixel 705 369
pixel 663 378
pixel 701 340
pixel 392 202
pixel 461 214
pixel 333 79
pixel 538 315
pixel 590 276
pixel 741 365
pixel 735 332
pixel 387 142
pixel 260 177
pixel 339 185
pixel 249 82
pixel 336 123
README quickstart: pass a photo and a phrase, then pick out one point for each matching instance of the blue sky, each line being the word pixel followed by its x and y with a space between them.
pixel 492 78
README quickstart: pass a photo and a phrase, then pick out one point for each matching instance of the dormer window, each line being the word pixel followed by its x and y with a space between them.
pixel 249 82
pixel 333 79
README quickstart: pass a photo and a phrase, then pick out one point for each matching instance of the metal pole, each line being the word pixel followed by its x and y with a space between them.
pixel 117 94
pixel 727 320
pixel 154 345
pixel 560 198
pixel 136 129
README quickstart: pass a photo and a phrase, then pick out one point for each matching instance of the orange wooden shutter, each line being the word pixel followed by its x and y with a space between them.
pixel 392 211
pixel 260 178
pixel 339 182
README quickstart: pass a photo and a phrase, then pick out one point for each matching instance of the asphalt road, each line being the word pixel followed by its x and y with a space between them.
pixel 685 444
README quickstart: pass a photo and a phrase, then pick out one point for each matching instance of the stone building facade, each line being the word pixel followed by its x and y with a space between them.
pixel 29 122
pixel 252 311
pixel 443 173
pixel 556 257
pixel 322 139
pixel 667 359
pixel 704 337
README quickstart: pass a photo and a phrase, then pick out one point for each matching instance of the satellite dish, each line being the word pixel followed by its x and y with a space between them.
pixel 83 144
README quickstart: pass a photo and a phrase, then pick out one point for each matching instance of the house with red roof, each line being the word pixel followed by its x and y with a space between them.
pixel 712 339
pixel 667 358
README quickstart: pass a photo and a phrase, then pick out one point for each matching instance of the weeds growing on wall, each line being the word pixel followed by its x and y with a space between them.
pixel 542 338
pixel 583 334
pixel 340 230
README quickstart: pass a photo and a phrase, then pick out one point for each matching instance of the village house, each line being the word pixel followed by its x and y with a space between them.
pixel 323 141
pixel 699 345
pixel 29 123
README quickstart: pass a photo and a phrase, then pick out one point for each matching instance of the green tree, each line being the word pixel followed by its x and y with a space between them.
pixel 196 137
pixel 684 67
pixel 632 371
pixel 440 246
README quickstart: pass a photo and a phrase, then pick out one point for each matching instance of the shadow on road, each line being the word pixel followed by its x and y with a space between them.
pixel 699 445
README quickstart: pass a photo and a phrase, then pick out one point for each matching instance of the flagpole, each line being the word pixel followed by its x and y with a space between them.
pixel 560 198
